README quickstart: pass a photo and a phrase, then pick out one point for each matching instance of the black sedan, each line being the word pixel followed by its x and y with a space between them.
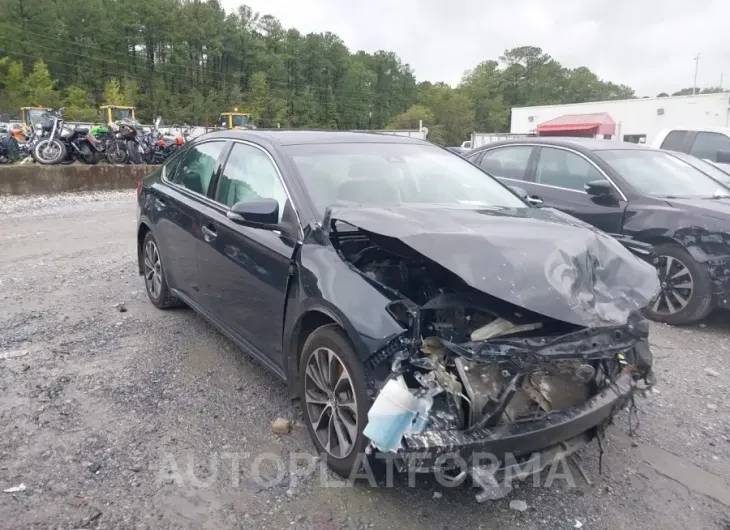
pixel 346 261
pixel 653 196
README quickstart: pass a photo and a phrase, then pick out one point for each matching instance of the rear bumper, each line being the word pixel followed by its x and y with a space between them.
pixel 431 450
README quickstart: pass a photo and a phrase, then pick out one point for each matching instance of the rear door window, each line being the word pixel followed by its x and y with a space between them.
pixel 674 141
pixel 196 169
pixel 508 162
pixel 707 144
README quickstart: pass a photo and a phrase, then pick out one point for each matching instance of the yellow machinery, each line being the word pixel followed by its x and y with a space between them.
pixel 33 115
pixel 235 120
pixel 115 113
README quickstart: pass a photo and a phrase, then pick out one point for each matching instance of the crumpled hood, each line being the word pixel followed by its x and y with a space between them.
pixel 536 258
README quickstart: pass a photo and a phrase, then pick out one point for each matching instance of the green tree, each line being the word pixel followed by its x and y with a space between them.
pixel 40 88
pixel 12 86
pixel 79 105
pixel 113 92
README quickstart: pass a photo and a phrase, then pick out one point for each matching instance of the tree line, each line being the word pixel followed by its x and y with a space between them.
pixel 189 60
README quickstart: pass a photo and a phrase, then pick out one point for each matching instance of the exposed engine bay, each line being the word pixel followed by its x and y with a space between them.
pixel 473 362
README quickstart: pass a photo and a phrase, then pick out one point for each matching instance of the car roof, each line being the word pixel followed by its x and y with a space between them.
pixel 584 144
pixel 298 137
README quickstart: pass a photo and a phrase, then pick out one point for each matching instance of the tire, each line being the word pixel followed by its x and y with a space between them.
pixel 116 152
pixel 156 284
pixel 323 341
pixel 133 152
pixel 41 152
pixel 87 155
pixel 698 297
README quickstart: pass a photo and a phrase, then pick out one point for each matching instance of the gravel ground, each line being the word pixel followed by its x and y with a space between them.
pixel 139 419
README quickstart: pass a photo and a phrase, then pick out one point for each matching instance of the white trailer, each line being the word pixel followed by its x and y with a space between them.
pixel 480 139
pixel 636 120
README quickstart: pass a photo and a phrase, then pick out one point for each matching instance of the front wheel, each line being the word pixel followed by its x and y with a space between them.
pixel 685 294
pixel 116 152
pixel 334 395
pixel 49 152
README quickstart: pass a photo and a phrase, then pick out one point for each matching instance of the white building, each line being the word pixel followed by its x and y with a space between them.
pixel 632 120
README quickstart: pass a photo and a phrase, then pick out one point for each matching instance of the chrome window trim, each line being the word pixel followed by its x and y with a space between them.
pixel 591 162
pixel 183 189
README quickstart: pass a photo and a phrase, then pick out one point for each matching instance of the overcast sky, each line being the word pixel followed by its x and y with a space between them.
pixel 649 45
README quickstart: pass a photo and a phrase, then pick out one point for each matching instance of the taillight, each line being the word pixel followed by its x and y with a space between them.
pixel 139 188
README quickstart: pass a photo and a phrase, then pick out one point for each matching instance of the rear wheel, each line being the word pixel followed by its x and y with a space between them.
pixel 334 397
pixel 686 287
pixel 154 275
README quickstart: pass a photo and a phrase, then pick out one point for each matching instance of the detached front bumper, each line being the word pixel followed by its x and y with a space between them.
pixel 431 450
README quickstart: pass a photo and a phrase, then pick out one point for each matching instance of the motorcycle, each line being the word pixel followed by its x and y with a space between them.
pixel 9 149
pixel 50 149
pixel 81 146
pixel 128 133
pixel 112 144
pixel 156 147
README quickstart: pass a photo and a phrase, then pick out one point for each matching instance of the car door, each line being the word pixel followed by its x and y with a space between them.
pixel 559 177
pixel 246 268
pixel 187 179
pixel 708 145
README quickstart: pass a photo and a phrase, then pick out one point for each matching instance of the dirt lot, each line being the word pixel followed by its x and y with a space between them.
pixel 99 407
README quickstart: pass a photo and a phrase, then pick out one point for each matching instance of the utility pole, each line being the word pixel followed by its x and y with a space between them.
pixel 721 74
pixel 697 65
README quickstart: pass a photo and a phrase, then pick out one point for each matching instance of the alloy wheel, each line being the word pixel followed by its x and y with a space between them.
pixel 677 286
pixel 331 403
pixel 152 269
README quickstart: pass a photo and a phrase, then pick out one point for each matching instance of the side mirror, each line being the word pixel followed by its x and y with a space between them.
pixel 599 188
pixel 723 157
pixel 260 212
pixel 520 191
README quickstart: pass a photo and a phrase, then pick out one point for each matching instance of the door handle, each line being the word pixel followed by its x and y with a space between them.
pixel 535 200
pixel 209 234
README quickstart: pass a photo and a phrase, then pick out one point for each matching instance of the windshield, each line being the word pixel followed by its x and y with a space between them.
pixel 122 114
pixel 711 170
pixel 241 121
pixel 391 174
pixel 37 116
pixel 661 174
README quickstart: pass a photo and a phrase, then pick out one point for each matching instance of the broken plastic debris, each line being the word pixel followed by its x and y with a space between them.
pixel 499 327
pixel 11 354
pixel 281 426
pixel 520 506
pixel 395 412
pixel 578 524
pixel 15 489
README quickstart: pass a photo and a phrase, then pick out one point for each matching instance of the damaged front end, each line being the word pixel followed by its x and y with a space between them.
pixel 475 373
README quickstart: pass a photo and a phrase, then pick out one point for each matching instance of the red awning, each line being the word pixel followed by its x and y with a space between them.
pixel 600 124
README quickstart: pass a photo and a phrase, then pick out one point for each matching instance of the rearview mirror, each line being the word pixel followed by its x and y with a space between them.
pixel 599 188
pixel 261 212
pixel 723 157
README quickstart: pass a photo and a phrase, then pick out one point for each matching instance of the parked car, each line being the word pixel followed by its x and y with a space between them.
pixel 711 144
pixel 653 196
pixel 344 261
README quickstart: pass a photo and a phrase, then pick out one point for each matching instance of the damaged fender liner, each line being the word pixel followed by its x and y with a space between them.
pixel 423 450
